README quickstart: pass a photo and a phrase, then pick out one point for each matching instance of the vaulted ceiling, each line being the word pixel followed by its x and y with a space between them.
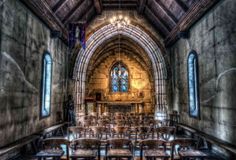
pixel 169 17
pixel 119 44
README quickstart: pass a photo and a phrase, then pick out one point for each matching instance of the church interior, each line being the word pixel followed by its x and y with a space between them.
pixel 117 79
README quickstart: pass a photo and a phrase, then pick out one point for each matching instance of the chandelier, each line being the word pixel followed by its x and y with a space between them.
pixel 120 21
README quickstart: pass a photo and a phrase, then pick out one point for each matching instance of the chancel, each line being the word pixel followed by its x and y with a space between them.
pixel 117 79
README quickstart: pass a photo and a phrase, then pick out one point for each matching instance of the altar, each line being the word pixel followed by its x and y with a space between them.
pixel 119 106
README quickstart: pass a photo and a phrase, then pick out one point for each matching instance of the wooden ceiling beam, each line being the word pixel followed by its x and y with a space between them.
pixel 122 6
pixel 158 24
pixel 161 19
pixel 59 5
pixel 141 6
pixel 182 5
pixel 194 13
pixel 167 11
pixel 119 1
pixel 72 12
pixel 89 14
pixel 116 4
pixel 44 12
pixel 83 17
pixel 98 6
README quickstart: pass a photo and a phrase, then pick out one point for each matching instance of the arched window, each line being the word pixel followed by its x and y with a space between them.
pixel 193 84
pixel 46 85
pixel 119 78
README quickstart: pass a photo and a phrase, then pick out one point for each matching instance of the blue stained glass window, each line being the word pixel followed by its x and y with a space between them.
pixel 193 84
pixel 119 78
pixel 46 85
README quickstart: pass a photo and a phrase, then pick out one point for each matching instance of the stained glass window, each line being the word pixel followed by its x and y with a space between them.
pixel 193 84
pixel 46 85
pixel 119 78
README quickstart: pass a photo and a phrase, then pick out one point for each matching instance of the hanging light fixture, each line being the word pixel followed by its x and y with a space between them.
pixel 119 21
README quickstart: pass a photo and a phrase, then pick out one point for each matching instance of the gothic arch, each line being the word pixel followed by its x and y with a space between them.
pixel 135 33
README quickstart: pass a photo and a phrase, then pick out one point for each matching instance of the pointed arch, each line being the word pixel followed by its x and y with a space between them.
pixel 159 68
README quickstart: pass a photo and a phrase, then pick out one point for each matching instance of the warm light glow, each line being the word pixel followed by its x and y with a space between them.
pixel 118 25
pixel 137 35
pixel 120 21
pixel 138 84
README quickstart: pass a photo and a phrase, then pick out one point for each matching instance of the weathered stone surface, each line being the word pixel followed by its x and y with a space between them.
pixel 24 39
pixel 139 81
pixel 213 38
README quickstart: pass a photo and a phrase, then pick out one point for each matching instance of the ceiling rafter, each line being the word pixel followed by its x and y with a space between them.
pixel 85 15
pixel 119 1
pixel 122 6
pixel 142 5
pixel 110 4
pixel 169 28
pixel 44 12
pixel 161 27
pixel 72 13
pixel 194 13
pixel 182 5
pixel 167 11
pixel 59 5
pixel 89 15
pixel 98 6
pixel 157 15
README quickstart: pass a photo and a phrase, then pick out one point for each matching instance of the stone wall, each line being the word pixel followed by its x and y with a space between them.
pixel 214 39
pixel 24 39
pixel 139 81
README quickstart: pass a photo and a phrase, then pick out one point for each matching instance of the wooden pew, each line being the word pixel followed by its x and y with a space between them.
pixel 33 139
pixel 220 143
pixel 230 148
pixel 53 130
pixel 190 130
pixel 20 143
